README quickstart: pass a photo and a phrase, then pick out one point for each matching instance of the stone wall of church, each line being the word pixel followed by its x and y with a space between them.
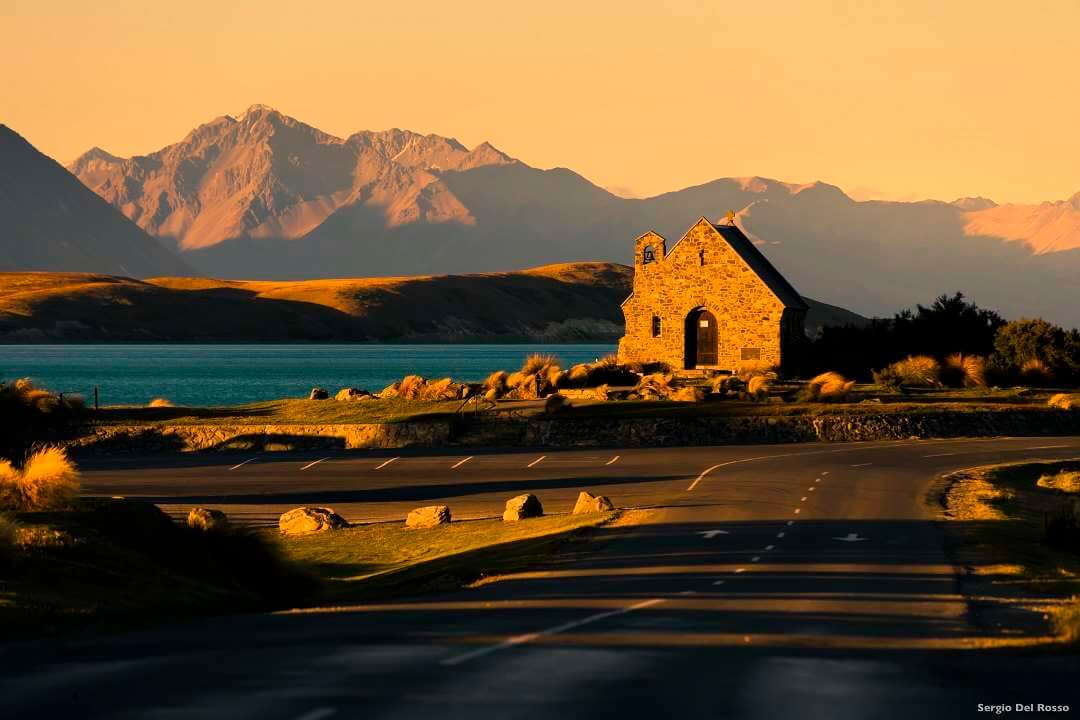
pixel 700 271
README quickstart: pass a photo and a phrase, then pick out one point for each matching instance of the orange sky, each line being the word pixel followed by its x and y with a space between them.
pixel 905 99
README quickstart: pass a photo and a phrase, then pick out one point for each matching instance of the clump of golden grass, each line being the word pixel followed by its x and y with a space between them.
pixel 537 362
pixel 496 381
pixel 1067 621
pixel 758 387
pixel 756 368
pixel 608 361
pixel 411 387
pixel 24 392
pixel 913 371
pixel 826 387
pixel 47 480
pixel 687 393
pixel 961 370
pixel 655 384
pixel 724 384
pixel 1063 401
pixel 1036 372
pixel 160 403
pixel 556 403
pixel 1065 481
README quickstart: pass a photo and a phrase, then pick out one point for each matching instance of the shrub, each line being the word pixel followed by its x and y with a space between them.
pixel 1036 373
pixel 411 387
pixel 48 480
pixel 556 403
pixel 687 393
pixel 160 403
pixel 961 370
pixel 1021 341
pixel 724 384
pixel 1062 526
pixel 826 387
pixel 578 375
pixel 1061 401
pixel 496 381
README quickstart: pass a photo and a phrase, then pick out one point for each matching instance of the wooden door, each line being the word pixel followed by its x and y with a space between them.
pixel 706 339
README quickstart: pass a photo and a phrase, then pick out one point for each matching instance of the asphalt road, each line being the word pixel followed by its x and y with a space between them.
pixel 774 581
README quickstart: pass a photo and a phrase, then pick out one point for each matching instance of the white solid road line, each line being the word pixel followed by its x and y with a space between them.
pixel 1045 447
pixel 313 464
pixel 380 467
pixel 613 460
pixel 537 460
pixel 939 455
pixel 861 464
pixel 240 465
pixel 523 639
pixel 459 463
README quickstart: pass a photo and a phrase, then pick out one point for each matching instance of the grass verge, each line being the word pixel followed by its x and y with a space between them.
pixel 998 535
pixel 387 559
pixel 282 412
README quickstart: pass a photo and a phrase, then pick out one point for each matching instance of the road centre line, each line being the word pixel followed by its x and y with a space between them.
pixel 380 467
pixel 537 461
pixel 861 464
pixel 780 534
pixel 798 510
pixel 811 489
pixel 613 460
pixel 313 464
pixel 318 714
pixel 1046 447
pixel 769 547
pixel 240 465
pixel 529 637
pixel 803 499
pixel 938 455
pixel 459 463
pixel 790 523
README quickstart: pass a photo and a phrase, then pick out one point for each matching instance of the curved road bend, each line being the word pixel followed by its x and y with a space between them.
pixel 781 581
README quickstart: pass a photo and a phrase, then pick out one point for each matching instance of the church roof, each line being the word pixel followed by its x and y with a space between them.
pixel 761 266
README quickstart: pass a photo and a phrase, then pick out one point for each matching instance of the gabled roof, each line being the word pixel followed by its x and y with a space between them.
pixel 761 266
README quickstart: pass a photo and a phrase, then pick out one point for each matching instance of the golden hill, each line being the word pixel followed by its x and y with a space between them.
pixel 552 303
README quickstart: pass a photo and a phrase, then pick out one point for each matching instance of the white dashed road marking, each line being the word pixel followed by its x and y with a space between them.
pixel 1047 447
pixel 939 455
pixel 537 460
pixel 459 463
pixel 240 465
pixel 803 499
pixel 790 523
pixel 769 547
pixel 780 534
pixel 861 464
pixel 798 510
pixel 313 464
pixel 318 714
pixel 755 558
pixel 718 582
pixel 613 460
pixel 523 639
pixel 380 467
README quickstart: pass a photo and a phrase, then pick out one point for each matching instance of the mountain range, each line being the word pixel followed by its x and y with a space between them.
pixel 51 221
pixel 263 195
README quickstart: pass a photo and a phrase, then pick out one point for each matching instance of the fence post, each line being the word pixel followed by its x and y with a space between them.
pixel 95 397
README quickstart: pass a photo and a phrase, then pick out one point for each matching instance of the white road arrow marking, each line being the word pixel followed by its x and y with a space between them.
pixel 851 537
pixel 710 534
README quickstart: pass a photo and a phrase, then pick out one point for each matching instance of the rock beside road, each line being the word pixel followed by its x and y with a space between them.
pixel 207 520
pixel 589 503
pixel 428 517
pixel 308 520
pixel 522 507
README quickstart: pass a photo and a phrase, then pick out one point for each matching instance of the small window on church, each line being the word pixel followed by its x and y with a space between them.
pixel 656 326
pixel 751 354
pixel 701 256
pixel 648 255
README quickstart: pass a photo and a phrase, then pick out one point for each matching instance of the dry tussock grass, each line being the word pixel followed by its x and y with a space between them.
pixel 496 381
pixel 47 480
pixel 826 387
pixel 537 362
pixel 1036 372
pixel 971 497
pixel 918 371
pixel 962 370
pixel 1065 481
pixel 756 368
pixel 161 403
pixel 758 387
pixel 1063 401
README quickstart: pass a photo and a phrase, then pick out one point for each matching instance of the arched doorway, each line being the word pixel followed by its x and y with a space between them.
pixel 701 338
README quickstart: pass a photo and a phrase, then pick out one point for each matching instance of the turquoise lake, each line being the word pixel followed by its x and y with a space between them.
pixel 234 374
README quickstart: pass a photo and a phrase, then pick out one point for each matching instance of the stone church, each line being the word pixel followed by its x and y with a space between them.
pixel 710 302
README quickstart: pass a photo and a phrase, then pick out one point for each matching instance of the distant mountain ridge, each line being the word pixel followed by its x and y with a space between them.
pixel 264 195
pixel 50 221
